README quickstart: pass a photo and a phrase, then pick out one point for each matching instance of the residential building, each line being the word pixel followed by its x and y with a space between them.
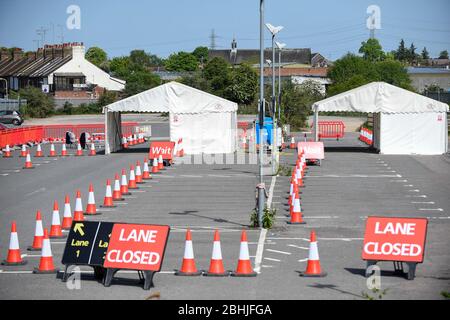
pixel 424 77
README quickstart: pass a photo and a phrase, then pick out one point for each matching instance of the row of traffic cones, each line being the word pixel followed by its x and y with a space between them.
pixel 132 140
pixel 295 209
pixel 39 153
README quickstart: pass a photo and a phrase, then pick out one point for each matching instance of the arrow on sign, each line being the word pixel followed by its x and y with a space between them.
pixel 79 227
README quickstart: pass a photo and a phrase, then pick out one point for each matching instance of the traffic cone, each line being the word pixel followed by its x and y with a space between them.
pixel 299 176
pixel 293 190
pixel 313 268
pixel 39 151
pixel 283 144
pixel 46 265
pixel 14 257
pixel 67 217
pixel 160 163
pixel 91 208
pixel 92 152
pixel 132 179
pixel 52 151
pixel 23 153
pixel 124 143
pixel 7 152
pixel 188 267
pixel 292 146
pixel 181 148
pixel 79 151
pixel 138 173
pixel 216 268
pixel 78 214
pixel 64 150
pixel 130 140
pixel 28 164
pixel 55 229
pixel 108 200
pixel 124 184
pixel 244 267
pixel 296 214
pixel 146 175
pixel 38 234
pixel 155 166
pixel 117 194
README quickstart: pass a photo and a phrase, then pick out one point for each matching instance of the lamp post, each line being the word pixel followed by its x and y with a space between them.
pixel 261 194
pixel 280 48
pixel 6 87
pixel 274 31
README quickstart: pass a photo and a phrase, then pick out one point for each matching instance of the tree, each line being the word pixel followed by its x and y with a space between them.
pixel 402 53
pixel 120 67
pixel 443 54
pixel 371 50
pixel 393 72
pixel 243 85
pixel 201 53
pixel 140 81
pixel 350 65
pixel 96 56
pixel 411 54
pixel 181 61
pixel 39 105
pixel 425 55
pixel 217 72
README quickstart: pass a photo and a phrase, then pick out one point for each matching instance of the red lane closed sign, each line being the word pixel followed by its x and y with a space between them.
pixel 164 148
pixel 395 239
pixel 137 247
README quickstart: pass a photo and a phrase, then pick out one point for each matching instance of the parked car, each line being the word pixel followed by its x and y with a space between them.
pixel 10 116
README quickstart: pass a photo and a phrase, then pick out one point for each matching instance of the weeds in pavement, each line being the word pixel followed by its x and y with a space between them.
pixel 284 170
pixel 378 294
pixel 268 218
pixel 445 294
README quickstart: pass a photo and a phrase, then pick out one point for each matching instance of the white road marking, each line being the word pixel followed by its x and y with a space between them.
pixel 121 203
pixel 416 190
pixel 271 259
pixel 277 251
pixel 408 185
pixel 266 266
pixel 357 176
pixel 294 246
pixel 34 192
pixel 191 176
pixel 399 180
pixel 303 260
pixel 146 187
pixel 138 191
pixel 260 250
pixel 25 255
pixel 423 202
pixel 326 239
pixel 420 196
pixel 4 174
pixel 436 209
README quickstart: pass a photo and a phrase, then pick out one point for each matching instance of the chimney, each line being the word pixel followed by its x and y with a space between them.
pixel 31 56
pixel 4 55
pixel 48 52
pixel 17 54
pixel 57 51
pixel 39 53
pixel 78 51
pixel 67 50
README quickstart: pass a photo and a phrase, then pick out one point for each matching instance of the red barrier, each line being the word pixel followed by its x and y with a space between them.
pixel 331 129
pixel 19 136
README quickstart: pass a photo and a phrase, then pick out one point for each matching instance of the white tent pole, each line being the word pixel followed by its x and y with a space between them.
pixel 316 123
pixel 107 149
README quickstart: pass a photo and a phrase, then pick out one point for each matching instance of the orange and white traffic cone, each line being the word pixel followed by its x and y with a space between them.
pixel 91 208
pixel 155 166
pixel 67 217
pixel 313 268
pixel 130 140
pixel 7 152
pixel 181 148
pixel 52 151
pixel 63 150
pixel 39 153
pixel 132 180
pixel 38 234
pixel 92 152
pixel 55 229
pixel 216 268
pixel 296 214
pixel 146 174
pixel 46 265
pixel 292 192
pixel 108 200
pixel 292 146
pixel 299 174
pixel 160 163
pixel 28 164
pixel 138 176
pixel 283 143
pixel 78 214
pixel 117 194
pixel 188 267
pixel 79 151
pixel 14 257
pixel 124 143
pixel 23 153
pixel 124 184
pixel 244 267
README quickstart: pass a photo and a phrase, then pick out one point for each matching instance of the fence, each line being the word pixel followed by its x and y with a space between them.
pixel 12 104
pixel 18 136
pixel 366 136
pixel 331 129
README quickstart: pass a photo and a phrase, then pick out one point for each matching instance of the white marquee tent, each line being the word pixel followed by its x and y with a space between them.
pixel 404 122
pixel 206 123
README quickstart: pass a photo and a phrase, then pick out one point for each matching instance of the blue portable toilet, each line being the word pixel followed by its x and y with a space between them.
pixel 267 130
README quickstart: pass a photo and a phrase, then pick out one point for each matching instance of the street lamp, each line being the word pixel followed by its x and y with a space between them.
pixel 261 193
pixel 280 48
pixel 6 87
pixel 274 31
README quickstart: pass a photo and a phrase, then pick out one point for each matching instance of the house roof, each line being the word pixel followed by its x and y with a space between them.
pixel 288 72
pixel 40 67
pixel 413 70
pixel 301 55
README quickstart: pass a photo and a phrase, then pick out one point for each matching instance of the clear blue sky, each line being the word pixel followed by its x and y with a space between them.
pixel 161 27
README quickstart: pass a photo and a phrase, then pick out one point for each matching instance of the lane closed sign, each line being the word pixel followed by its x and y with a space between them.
pixel 395 239
pixel 137 247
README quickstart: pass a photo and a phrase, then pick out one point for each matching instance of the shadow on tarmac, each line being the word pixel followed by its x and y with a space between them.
pixel 219 220
pixel 334 288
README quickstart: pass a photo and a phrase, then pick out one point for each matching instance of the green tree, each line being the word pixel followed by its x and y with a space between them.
pixel 425 55
pixel 402 53
pixel 243 85
pixel 120 67
pixel 39 105
pixel 181 61
pixel 350 65
pixel 196 80
pixel 393 72
pixel 217 72
pixel 107 98
pixel 372 50
pixel 96 56
pixel 140 81
pixel 411 54
pixel 443 54
pixel 201 53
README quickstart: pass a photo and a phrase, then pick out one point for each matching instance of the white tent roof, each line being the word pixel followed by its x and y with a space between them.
pixel 380 97
pixel 173 97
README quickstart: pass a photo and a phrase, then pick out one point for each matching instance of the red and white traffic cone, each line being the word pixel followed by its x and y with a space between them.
pixel 28 164
pixel 63 150
pixel 67 217
pixel 117 194
pixel 39 153
pixel 38 234
pixel 78 214
pixel 130 140
pixel 92 152
pixel 7 152
pixel 55 229
pixel 124 142
pixel 146 174
pixel 244 266
pixel 46 265
pixel 160 163
pixel 79 151
pixel 132 180
pixel 23 153
pixel 296 214
pixel 293 190
pixel 52 151
pixel 108 200
pixel 283 143
pixel 216 268
pixel 155 166
pixel 181 148
pixel 188 267
pixel 138 176
pixel 91 208
pixel 299 174
pixel 292 145
pixel 124 184
pixel 313 268
pixel 14 257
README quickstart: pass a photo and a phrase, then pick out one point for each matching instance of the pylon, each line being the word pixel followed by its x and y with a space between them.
pixel 124 184
pixel 155 166
pixel 132 180
pixel 39 151
pixel 55 229
pixel 138 176
pixel 64 150
pixel 299 174
pixel 292 192
pixel 292 146
pixel 124 143
pixel 130 140
pixel 91 208
pixel 117 194
pixel 79 151
pixel 313 268
pixel 28 164
pixel 216 268
pixel 146 174
pixel 160 163
pixel 188 267
pixel 67 217
pixel 7 153
pixel 108 200
pixel 78 214
pixel 23 153
pixel 52 151
pixel 244 266
pixel 296 214
pixel 46 265
pixel 38 234
pixel 181 148
pixel 92 152
pixel 14 257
